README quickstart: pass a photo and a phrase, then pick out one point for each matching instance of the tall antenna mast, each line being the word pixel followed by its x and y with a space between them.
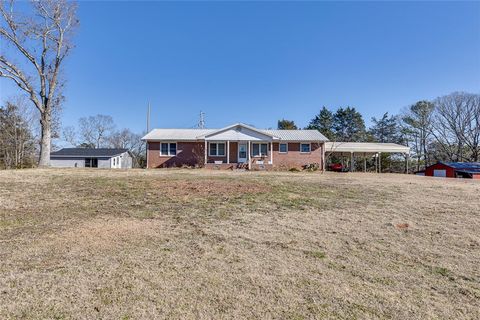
pixel 201 121
pixel 148 117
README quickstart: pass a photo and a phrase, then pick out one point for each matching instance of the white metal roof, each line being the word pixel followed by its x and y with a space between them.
pixel 235 132
pixel 365 147
pixel 297 135
pixel 176 134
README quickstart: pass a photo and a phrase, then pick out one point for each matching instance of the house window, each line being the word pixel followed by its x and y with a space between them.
pixel 305 147
pixel 168 149
pixel 173 149
pixel 217 149
pixel 259 149
pixel 283 148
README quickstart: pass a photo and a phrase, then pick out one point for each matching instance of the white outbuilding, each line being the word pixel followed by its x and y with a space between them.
pixel 91 158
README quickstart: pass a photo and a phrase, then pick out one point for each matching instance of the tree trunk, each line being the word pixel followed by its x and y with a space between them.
pixel 46 140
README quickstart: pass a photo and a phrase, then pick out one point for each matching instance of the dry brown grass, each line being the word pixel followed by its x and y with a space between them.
pixel 206 244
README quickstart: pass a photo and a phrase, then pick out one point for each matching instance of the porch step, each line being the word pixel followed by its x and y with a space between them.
pixel 243 166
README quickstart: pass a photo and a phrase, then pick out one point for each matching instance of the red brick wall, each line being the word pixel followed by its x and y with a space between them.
pixel 192 153
pixel 188 153
pixel 294 158
pixel 233 154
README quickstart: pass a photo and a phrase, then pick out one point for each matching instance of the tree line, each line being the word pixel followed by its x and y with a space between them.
pixel 444 129
pixel 19 137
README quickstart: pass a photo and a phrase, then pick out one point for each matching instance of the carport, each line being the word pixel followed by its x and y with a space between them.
pixel 353 150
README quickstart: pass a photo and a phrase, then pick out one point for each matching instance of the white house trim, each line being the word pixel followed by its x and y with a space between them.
pixel 235 126
pixel 169 154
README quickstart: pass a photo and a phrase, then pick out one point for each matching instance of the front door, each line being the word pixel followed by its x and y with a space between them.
pixel 242 152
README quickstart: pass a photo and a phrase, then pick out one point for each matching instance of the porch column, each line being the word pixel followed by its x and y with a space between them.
pixel 249 160
pixel 206 147
pixel 271 152
pixel 228 152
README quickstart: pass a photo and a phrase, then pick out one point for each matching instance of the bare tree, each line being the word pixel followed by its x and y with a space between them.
pixel 96 130
pixel 456 125
pixel 17 141
pixel 43 39
pixel 70 135
pixel 128 140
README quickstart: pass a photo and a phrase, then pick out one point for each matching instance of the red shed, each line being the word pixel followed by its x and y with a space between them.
pixel 469 170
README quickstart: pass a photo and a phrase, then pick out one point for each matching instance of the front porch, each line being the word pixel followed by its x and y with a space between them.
pixel 240 154
pixel 238 146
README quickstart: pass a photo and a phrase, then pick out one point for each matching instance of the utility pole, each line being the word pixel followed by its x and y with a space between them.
pixel 201 121
pixel 148 118
pixel 148 130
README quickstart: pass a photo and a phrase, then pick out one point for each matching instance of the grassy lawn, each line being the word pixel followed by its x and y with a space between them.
pixel 207 244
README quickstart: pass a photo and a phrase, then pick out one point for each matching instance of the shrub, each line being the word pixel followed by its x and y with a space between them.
pixel 442 271
pixel 316 254
pixel 312 167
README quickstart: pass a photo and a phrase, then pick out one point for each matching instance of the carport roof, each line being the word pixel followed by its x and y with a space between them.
pixel 365 147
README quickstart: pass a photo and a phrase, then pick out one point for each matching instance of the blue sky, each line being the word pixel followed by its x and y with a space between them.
pixel 259 62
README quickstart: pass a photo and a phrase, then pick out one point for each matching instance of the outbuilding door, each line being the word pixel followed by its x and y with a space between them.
pixel 440 173
pixel 91 163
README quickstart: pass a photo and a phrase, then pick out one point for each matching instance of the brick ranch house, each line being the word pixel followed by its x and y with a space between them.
pixel 235 146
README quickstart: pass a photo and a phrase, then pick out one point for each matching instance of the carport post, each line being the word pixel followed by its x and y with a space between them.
pixel 406 162
pixel 376 162
pixel 351 162
pixel 379 162
pixel 364 162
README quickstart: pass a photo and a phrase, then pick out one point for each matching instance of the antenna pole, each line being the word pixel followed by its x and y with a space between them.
pixel 201 121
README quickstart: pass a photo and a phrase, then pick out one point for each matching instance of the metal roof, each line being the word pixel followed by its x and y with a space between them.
pixel 472 171
pixel 467 167
pixel 176 134
pixel 298 135
pixel 463 165
pixel 88 152
pixel 365 147
pixel 201 134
